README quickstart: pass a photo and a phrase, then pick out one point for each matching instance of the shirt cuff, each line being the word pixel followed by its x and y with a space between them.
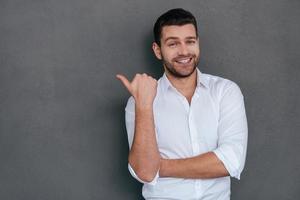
pixel 153 182
pixel 230 162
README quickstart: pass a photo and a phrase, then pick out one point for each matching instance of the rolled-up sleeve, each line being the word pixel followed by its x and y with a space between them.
pixel 130 124
pixel 232 131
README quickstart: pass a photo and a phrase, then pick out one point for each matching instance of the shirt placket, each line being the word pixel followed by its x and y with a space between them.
pixel 191 124
pixel 193 134
pixel 194 140
pixel 193 128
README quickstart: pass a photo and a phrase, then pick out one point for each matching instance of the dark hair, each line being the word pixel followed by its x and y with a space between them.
pixel 177 16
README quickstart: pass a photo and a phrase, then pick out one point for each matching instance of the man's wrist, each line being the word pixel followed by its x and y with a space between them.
pixel 163 167
pixel 143 107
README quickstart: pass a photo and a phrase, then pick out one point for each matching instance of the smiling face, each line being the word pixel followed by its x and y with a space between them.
pixel 179 50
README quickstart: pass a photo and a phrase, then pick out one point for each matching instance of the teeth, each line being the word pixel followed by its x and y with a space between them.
pixel 184 61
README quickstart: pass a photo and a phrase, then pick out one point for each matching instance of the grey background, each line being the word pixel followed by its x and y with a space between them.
pixel 62 132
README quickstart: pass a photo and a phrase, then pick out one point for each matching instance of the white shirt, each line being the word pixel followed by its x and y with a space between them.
pixel 215 121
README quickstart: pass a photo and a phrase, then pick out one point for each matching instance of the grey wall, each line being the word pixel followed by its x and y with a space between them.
pixel 62 132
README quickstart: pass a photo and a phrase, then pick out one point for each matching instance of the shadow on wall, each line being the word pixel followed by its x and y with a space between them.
pixel 132 187
pixel 153 65
pixel 124 182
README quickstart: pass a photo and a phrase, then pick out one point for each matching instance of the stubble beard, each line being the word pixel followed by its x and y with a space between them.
pixel 177 74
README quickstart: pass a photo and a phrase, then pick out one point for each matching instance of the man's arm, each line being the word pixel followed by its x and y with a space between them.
pixel 144 156
pixel 229 157
pixel 203 166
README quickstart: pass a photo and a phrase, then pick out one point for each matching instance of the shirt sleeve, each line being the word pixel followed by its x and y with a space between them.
pixel 129 120
pixel 232 131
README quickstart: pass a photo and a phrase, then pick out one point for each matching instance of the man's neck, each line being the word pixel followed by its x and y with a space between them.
pixel 186 86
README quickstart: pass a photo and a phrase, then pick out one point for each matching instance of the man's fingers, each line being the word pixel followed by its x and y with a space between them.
pixel 125 81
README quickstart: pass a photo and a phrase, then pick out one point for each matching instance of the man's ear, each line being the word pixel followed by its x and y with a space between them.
pixel 156 50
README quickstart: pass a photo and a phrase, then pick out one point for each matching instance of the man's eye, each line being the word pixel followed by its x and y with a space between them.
pixel 191 42
pixel 173 44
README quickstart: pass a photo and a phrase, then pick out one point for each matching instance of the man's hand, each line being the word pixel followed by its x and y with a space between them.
pixel 144 156
pixel 142 88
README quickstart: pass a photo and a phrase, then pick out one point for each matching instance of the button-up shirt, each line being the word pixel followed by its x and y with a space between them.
pixel 214 121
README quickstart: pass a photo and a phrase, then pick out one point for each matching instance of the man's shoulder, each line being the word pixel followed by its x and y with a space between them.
pixel 218 86
pixel 214 81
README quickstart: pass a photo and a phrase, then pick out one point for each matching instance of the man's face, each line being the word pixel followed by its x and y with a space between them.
pixel 179 50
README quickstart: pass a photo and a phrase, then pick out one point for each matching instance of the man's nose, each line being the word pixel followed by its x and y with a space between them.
pixel 183 50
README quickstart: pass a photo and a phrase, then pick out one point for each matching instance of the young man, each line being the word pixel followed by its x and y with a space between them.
pixel 187 131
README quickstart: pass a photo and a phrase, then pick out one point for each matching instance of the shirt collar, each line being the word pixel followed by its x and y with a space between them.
pixel 201 81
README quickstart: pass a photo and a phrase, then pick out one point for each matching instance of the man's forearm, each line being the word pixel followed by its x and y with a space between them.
pixel 144 155
pixel 204 166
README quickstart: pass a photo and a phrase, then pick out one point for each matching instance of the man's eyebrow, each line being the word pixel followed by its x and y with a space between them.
pixel 171 38
pixel 176 38
pixel 191 37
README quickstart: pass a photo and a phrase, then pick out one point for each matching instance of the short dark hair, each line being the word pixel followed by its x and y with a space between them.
pixel 176 16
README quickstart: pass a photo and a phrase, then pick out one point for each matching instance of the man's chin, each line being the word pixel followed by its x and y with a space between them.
pixel 185 70
pixel 182 73
pixel 185 75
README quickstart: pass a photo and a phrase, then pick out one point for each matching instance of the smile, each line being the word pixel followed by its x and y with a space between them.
pixel 184 61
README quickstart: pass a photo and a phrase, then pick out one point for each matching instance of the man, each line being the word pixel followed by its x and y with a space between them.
pixel 187 131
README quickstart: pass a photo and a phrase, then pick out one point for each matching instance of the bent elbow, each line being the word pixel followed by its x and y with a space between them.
pixel 146 177
pixel 145 174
